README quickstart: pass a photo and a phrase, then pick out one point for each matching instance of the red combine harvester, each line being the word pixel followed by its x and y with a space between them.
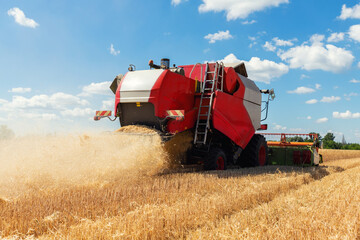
pixel 216 102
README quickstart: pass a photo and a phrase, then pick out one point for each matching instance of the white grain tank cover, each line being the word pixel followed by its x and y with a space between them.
pixel 137 85
pixel 252 101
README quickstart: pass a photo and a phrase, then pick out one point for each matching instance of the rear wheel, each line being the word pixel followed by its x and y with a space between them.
pixel 256 152
pixel 216 160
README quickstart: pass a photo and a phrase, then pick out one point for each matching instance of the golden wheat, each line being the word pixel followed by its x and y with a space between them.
pixel 334 154
pixel 114 187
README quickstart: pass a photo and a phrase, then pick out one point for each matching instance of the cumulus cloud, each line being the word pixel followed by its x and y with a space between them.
pixel 336 37
pixel 260 70
pixel 358 65
pixel 353 12
pixel 330 99
pixel 311 101
pixel 113 51
pixel 236 9
pixel 302 90
pixel 21 19
pixel 101 88
pixel 269 47
pixel 248 22
pixel 354 32
pixel 308 117
pixel 283 43
pixel 56 101
pixel 346 115
pixel 322 120
pixel 354 81
pixel 348 96
pixel 304 76
pixel 279 127
pixel 108 104
pixel 78 112
pixel 20 90
pixel 177 2
pixel 317 86
pixel 39 116
pixel 219 36
pixel 317 57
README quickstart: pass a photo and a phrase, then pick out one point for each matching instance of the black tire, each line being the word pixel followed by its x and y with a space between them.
pixel 216 160
pixel 256 152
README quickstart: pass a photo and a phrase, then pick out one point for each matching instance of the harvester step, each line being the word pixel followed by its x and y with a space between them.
pixel 202 133
pixel 203 115
pixel 202 124
pixel 205 106
pixel 207 89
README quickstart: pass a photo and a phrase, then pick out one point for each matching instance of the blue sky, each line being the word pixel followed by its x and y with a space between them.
pixel 57 58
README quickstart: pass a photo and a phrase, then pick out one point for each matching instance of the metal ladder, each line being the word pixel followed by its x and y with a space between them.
pixel 207 96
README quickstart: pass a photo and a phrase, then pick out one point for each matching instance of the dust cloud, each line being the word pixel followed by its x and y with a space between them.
pixel 44 162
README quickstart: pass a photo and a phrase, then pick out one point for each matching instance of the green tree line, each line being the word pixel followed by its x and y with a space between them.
pixel 328 142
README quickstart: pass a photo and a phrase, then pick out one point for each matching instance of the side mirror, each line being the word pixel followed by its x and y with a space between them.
pixel 272 94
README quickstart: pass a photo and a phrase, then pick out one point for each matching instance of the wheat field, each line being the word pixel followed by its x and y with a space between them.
pixel 115 186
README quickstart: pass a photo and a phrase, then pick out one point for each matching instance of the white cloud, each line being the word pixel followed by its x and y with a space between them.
pixel 308 117
pixel 348 96
pixel 78 112
pixel 248 22
pixel 346 115
pixel 238 9
pixel 353 12
pixel 330 99
pixel 21 19
pixel 260 70
pixel 101 88
pixel 354 81
pixel 269 47
pixel 113 51
pixel 322 120
pixel 317 86
pixel 283 43
pixel 316 39
pixel 336 37
pixel 56 101
pixel 311 101
pixel 279 127
pixel 40 116
pixel 354 32
pixel 108 104
pixel 316 56
pixel 20 90
pixel 358 65
pixel 302 90
pixel 219 36
pixel 177 2
pixel 304 76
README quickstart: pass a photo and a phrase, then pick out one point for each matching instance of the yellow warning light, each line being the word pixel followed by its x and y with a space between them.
pixel 138 104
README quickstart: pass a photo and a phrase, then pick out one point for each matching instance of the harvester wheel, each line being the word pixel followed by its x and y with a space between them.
pixel 216 160
pixel 256 152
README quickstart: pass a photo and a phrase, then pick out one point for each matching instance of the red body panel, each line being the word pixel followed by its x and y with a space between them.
pixel 231 118
pixel 173 91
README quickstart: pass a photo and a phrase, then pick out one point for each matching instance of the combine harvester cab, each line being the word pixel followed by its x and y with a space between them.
pixel 215 103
